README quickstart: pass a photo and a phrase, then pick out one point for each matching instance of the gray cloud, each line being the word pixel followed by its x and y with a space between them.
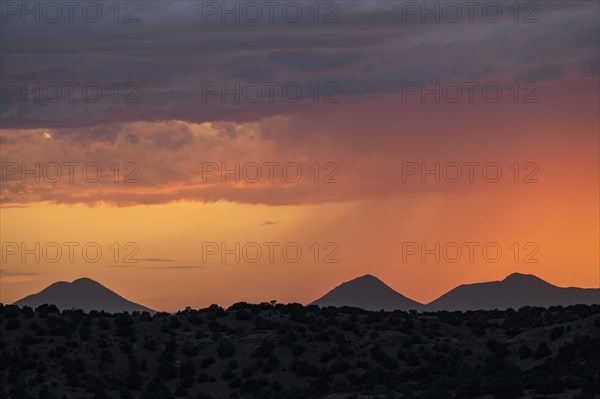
pixel 270 223
pixel 542 73
pixel 371 51
pixel 158 260
pixel 172 128
pixel 16 272
pixel 591 67
pixel 176 267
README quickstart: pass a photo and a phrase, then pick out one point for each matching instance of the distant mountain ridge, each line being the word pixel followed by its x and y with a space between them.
pixel 369 293
pixel 365 292
pixel 515 291
pixel 83 293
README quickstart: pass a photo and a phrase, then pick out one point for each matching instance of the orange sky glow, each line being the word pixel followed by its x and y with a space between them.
pixel 358 207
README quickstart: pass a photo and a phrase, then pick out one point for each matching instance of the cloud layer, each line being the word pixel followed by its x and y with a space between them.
pixel 169 82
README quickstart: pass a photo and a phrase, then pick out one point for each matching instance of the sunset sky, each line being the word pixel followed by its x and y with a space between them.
pixel 359 196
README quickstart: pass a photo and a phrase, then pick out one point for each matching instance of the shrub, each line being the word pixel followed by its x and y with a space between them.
pixel 542 351
pixel 524 352
pixel 13 324
pixel 557 332
pixel 226 349
pixel 207 361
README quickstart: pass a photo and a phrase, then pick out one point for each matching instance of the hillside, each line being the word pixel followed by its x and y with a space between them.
pixel 293 352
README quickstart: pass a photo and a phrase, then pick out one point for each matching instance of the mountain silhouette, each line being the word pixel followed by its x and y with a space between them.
pixel 83 293
pixel 366 292
pixel 515 291
pixel 369 293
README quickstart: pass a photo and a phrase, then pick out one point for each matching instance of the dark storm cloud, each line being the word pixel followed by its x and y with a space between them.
pixel 542 74
pixel 171 52
pixel 591 67
pixel 313 61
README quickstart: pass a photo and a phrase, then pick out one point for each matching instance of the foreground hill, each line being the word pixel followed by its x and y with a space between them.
pixel 83 293
pixel 295 352
pixel 514 291
pixel 369 293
